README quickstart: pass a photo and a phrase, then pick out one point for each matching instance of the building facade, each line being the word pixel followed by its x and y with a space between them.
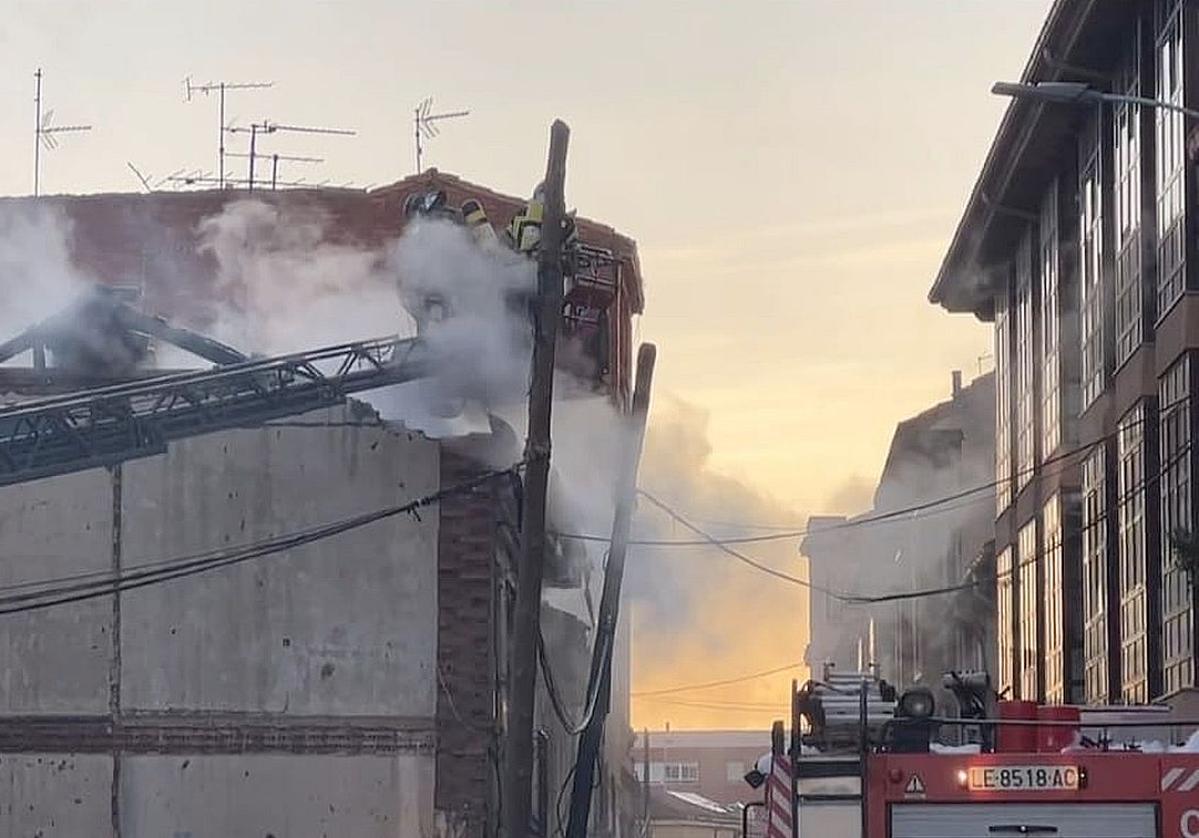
pixel 353 686
pixel 709 763
pixel 1079 244
pixel 946 451
pixel 156 242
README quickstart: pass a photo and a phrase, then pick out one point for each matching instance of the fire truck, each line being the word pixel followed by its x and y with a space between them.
pixel 864 762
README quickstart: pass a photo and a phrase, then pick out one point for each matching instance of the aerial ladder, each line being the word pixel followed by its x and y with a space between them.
pixel 140 414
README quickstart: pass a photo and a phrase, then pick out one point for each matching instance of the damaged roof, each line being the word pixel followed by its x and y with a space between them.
pixel 1029 147
pixel 152 239
pixel 500 208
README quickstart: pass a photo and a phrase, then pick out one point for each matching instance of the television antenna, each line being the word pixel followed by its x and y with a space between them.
pixel 145 181
pixel 275 158
pixel 44 134
pixel 424 125
pixel 268 127
pixel 221 87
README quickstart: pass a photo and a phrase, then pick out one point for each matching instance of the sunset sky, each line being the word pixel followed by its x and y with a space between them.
pixel 791 171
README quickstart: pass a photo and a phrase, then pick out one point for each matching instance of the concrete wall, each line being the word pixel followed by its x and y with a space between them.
pixel 344 626
pixel 55 795
pixel 292 695
pixel 280 796
pixel 57 660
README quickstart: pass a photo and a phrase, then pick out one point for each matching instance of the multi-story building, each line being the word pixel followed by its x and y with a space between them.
pixel 945 451
pixel 708 763
pixel 354 685
pixel 1079 244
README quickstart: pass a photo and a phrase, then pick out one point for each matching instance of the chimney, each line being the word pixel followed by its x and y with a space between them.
pixel 957 383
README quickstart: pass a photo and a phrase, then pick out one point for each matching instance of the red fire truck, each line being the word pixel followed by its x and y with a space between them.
pixel 1015 770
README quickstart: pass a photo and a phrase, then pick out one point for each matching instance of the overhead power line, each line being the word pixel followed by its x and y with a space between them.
pixel 741 557
pixel 912 511
pixel 730 706
pixel 591 699
pixel 74 588
pixel 707 685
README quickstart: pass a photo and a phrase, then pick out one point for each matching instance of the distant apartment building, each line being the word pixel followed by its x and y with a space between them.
pixel 708 763
pixel 930 527
pixel 1079 244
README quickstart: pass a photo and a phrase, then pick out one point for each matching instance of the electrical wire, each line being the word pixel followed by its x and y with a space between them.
pixel 453 705
pixel 719 705
pixel 1035 471
pixel 593 687
pixel 739 556
pixel 787 535
pixel 570 775
pixel 1108 512
pixel 69 589
pixel 710 684
pixel 847 598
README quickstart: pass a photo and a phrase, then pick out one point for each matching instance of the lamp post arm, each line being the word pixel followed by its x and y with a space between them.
pixel 1151 103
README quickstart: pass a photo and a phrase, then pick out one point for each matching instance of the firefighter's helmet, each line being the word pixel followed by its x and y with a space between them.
pixel 424 203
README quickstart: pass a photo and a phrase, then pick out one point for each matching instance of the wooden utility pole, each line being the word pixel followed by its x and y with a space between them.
pixel 592 737
pixel 645 783
pixel 522 669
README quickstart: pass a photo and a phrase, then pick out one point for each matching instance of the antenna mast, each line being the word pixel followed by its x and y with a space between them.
pixel 268 127
pixel 43 132
pixel 424 124
pixel 220 87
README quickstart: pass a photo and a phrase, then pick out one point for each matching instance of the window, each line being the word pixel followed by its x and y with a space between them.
pixel 669 772
pixel 1051 329
pixel 1171 164
pixel 734 772
pixel 679 772
pixel 1025 363
pixel 1094 578
pixel 1005 611
pixel 1130 522
pixel 1127 206
pixel 1090 267
pixel 1030 607
pixel 1051 561
pixel 1003 403
pixel 1174 394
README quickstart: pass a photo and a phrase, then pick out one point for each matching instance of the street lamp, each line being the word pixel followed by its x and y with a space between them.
pixel 1080 93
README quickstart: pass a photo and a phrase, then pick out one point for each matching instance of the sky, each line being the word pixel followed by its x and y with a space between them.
pixel 792 171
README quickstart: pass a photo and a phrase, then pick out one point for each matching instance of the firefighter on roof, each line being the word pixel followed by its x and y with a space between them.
pixel 524 232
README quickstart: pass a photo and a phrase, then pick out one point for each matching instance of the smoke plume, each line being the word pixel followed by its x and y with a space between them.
pixel 37 275
pixel 283 287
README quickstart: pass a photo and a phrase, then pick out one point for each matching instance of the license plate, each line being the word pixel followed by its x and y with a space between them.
pixel 1023 778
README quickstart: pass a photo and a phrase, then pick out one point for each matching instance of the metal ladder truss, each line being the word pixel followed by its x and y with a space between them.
pixel 107 425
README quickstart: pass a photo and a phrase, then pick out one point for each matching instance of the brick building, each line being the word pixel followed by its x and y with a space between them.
pixel 1079 244
pixel 709 763
pixel 387 698
pixel 153 241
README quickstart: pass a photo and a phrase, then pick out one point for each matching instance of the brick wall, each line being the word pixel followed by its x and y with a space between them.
pixel 466 655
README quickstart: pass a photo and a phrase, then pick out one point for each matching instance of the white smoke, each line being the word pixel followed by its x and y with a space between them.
pixel 284 287
pixel 37 275
pixel 698 613
pixel 481 350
